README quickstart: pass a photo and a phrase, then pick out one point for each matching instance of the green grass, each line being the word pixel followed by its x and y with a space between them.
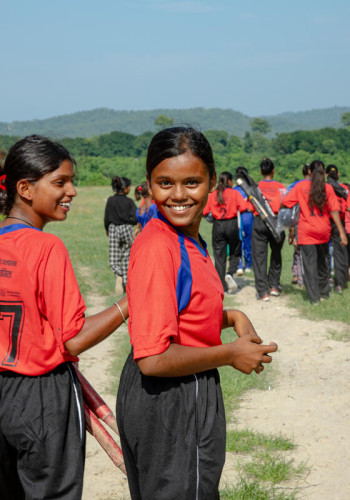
pixel 253 490
pixel 251 442
pixel 121 352
pixel 269 467
pixel 340 336
pixel 84 235
pixel 235 383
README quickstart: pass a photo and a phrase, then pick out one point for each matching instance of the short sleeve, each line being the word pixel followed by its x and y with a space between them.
pixel 291 198
pixel 151 291
pixel 208 206
pixel 332 200
pixel 59 297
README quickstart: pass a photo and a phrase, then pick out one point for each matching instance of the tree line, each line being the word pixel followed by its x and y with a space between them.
pixel 118 153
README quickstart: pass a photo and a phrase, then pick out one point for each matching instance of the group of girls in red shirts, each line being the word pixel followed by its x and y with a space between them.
pixel 322 219
pixel 318 205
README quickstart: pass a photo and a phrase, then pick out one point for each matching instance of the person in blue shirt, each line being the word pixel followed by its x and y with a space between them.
pixel 245 232
pixel 147 209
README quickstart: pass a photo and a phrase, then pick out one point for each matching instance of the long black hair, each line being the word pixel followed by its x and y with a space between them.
pixel 317 196
pixel 29 158
pixel 223 181
pixel 119 184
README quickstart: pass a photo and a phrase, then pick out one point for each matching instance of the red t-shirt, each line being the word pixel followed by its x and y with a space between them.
pixel 273 192
pixel 234 202
pixel 313 228
pixel 174 292
pixel 40 303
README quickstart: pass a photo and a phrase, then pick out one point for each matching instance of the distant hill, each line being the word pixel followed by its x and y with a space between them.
pixel 307 120
pixel 103 120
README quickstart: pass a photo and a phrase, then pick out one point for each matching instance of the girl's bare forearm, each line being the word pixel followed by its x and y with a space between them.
pixel 245 354
pixel 179 360
pixel 98 327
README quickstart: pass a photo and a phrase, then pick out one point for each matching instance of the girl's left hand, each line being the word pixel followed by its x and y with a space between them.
pixel 240 323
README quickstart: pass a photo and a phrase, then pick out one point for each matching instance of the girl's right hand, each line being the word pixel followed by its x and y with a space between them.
pixel 249 355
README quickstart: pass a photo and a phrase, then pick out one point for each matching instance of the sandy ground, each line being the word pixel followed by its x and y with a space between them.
pixel 308 401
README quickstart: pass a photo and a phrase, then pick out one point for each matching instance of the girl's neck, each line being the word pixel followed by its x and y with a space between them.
pixel 17 216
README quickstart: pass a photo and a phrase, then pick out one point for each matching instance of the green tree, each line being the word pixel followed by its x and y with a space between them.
pixel 247 143
pixel 260 125
pixel 142 142
pixel 218 140
pixel 345 119
pixel 163 121
pixel 234 144
pixel 259 142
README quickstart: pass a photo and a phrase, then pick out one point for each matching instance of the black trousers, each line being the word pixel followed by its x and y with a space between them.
pixel 315 267
pixel 340 256
pixel 173 433
pixel 225 232
pixel 261 239
pixel 42 436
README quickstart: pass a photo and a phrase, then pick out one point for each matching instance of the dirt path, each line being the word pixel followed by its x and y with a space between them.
pixel 309 401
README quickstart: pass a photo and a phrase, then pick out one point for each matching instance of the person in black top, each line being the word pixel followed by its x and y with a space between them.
pixel 120 217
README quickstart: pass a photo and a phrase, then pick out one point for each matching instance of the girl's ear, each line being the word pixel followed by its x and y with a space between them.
pixel 24 189
pixel 149 185
pixel 212 183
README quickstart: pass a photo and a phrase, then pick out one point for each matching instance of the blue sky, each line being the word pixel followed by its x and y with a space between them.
pixel 260 58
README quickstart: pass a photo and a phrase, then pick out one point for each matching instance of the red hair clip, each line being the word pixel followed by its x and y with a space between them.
pixel 2 182
pixel 139 189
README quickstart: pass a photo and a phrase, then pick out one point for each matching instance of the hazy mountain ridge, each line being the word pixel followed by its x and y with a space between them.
pixel 104 120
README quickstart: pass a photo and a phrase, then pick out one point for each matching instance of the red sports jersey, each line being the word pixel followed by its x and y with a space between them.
pixel 273 192
pixel 313 228
pixel 174 292
pixel 40 303
pixel 234 201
